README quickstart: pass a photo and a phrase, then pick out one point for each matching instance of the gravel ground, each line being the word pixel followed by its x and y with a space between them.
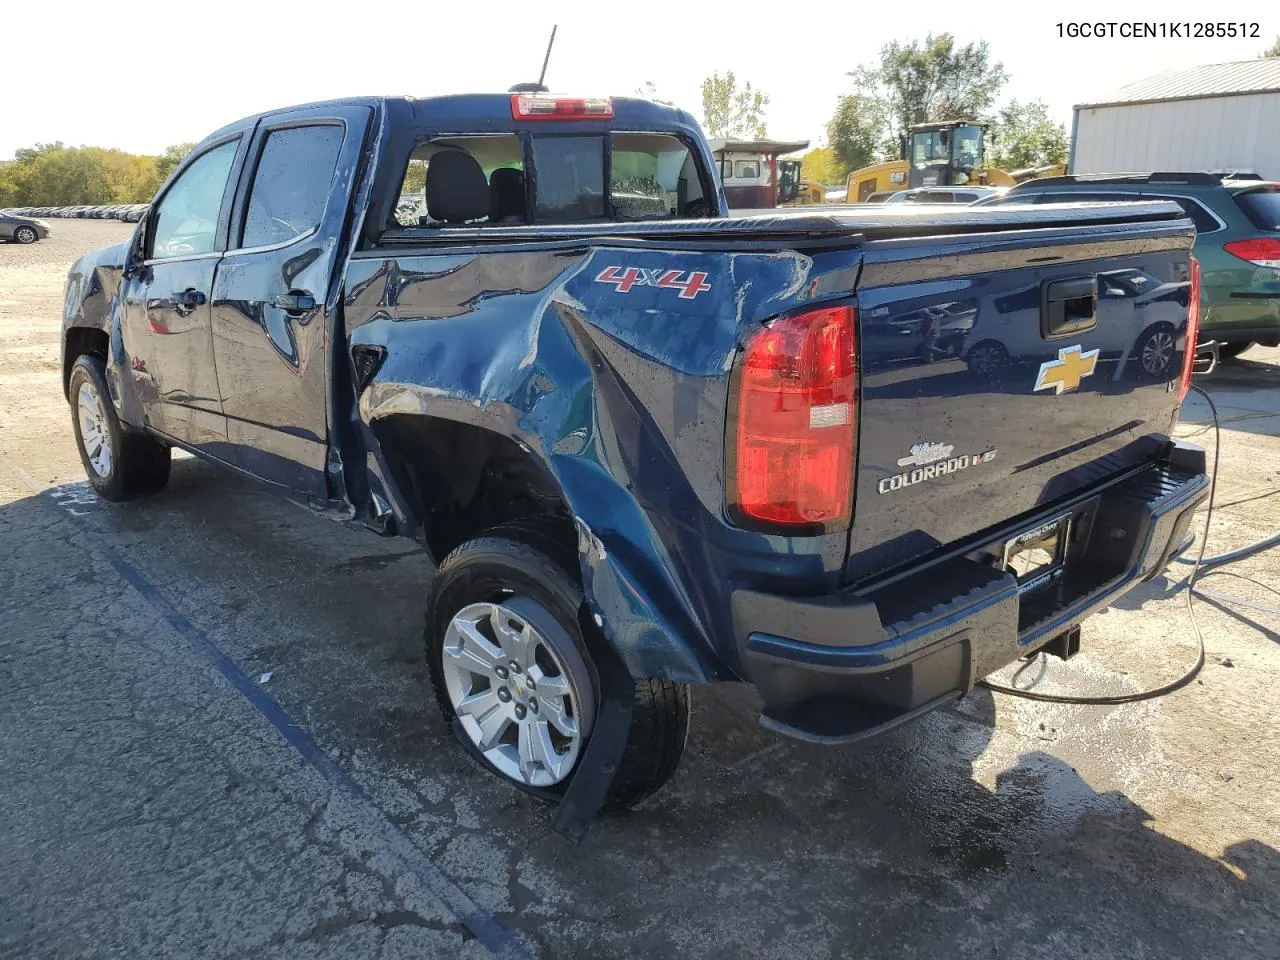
pixel 150 807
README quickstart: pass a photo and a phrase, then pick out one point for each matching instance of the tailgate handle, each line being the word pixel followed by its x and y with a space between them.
pixel 1068 306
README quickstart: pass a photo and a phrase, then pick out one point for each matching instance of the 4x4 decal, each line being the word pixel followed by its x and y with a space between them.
pixel 624 278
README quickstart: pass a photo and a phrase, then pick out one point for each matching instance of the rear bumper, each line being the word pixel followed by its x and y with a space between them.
pixel 1267 334
pixel 842 668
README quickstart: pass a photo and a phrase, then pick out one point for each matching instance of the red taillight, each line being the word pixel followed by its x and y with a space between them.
pixel 1260 251
pixel 1193 329
pixel 531 107
pixel 797 420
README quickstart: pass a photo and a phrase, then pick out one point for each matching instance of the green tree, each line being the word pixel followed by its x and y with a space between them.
pixel 936 80
pixel 1026 137
pixel 731 112
pixel 1273 50
pixel 8 187
pixel 173 155
pixel 820 165
pixel 857 131
pixel 53 174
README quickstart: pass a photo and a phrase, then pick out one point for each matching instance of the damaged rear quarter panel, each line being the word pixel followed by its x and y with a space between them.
pixel 621 396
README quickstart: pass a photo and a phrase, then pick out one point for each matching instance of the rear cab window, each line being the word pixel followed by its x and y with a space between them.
pixel 547 179
pixel 1262 207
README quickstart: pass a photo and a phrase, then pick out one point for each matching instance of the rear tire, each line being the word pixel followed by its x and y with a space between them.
pixel 26 235
pixel 1229 351
pixel 121 463
pixel 525 575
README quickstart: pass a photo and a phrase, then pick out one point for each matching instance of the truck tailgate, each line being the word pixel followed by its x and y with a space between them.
pixel 1003 372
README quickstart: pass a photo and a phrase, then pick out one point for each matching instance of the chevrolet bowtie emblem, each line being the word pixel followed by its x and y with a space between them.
pixel 1065 373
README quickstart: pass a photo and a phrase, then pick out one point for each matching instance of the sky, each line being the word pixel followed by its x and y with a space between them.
pixel 139 75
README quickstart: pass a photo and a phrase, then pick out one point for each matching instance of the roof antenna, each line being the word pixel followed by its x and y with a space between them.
pixel 538 87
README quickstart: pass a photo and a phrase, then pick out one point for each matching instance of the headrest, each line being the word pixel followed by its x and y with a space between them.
pixel 456 188
pixel 506 190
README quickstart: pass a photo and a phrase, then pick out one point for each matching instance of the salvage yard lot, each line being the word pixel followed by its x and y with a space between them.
pixel 150 808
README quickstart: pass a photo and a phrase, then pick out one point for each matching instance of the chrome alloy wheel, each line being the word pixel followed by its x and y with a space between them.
pixel 95 436
pixel 1157 353
pixel 517 684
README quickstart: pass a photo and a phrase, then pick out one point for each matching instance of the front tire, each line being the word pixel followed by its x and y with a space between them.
pixel 122 464
pixel 503 611
pixel 987 360
pixel 1157 354
pixel 26 235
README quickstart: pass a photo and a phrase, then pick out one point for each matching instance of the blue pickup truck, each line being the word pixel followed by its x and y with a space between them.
pixel 648 444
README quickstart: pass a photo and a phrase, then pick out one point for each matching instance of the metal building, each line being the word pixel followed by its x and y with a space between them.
pixel 1219 117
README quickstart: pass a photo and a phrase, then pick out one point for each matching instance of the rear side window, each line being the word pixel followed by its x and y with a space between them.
pixel 570 179
pixel 1083 197
pixel 291 184
pixel 1262 207
pixel 1205 221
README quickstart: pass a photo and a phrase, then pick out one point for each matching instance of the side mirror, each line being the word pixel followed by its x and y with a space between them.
pixel 136 251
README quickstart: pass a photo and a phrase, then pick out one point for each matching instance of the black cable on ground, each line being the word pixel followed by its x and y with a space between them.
pixel 1191 674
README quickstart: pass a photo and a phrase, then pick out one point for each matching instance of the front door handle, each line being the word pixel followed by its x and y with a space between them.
pixel 295 301
pixel 184 301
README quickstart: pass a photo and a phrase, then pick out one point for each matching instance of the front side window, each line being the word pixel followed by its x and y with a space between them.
pixel 186 219
pixel 652 175
pixel 570 179
pixel 291 184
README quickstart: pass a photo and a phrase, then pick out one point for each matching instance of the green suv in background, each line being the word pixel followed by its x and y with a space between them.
pixel 1237 241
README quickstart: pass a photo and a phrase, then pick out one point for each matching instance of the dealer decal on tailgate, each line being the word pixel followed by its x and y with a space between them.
pixel 689 283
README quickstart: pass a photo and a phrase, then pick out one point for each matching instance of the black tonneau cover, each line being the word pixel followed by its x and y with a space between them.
pixel 872 221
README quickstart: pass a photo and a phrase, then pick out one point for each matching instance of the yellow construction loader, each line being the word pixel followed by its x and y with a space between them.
pixel 945 154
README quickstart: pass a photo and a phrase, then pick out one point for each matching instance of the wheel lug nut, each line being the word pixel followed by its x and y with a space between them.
pixel 533 705
pixel 501 672
pixel 504 694
pixel 519 712
pixel 528 682
pixel 515 667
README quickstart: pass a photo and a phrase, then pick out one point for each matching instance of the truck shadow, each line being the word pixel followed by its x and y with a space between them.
pixel 949 837
pixel 1165 588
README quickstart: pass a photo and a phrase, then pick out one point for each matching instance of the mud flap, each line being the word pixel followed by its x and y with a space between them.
pixel 589 786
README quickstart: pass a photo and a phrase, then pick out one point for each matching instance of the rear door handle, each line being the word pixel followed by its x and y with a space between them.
pixel 1068 306
pixel 296 301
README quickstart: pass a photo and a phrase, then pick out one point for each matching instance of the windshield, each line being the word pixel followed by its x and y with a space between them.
pixel 930 147
pixel 1262 207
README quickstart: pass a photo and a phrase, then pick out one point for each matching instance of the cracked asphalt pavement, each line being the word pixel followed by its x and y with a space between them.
pixel 158 801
